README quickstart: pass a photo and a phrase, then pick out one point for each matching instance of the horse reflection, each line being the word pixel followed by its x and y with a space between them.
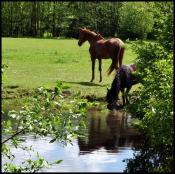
pixel 110 132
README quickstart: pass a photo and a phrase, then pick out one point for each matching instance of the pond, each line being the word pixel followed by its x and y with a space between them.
pixel 109 141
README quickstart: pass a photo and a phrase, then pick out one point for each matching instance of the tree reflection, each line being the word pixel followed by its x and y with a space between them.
pixel 150 159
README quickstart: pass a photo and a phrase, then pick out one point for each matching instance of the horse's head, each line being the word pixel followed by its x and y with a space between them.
pixel 82 36
pixel 133 67
pixel 110 97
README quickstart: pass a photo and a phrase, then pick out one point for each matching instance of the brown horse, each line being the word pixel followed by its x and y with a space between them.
pixel 102 49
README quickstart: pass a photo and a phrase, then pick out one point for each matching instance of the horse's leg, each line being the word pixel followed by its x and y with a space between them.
pixel 123 96
pixel 100 69
pixel 93 67
pixel 127 91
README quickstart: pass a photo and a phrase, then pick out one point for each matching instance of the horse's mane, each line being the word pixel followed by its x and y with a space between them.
pixel 97 35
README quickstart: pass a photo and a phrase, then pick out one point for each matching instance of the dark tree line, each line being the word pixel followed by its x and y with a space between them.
pixel 54 19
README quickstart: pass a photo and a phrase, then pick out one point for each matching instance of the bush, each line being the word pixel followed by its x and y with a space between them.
pixel 136 20
pixel 47 35
pixel 153 101
pixel 153 104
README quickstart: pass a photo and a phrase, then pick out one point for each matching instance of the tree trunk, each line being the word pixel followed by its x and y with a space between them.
pixel 11 19
pixel 53 24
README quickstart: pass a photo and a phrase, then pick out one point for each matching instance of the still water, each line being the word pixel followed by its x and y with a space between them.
pixel 109 141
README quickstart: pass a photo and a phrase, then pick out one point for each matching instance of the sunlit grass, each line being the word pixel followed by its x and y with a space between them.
pixel 40 62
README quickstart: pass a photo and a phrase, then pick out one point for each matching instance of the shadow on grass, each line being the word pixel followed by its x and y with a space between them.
pixel 12 86
pixel 86 83
pixel 90 97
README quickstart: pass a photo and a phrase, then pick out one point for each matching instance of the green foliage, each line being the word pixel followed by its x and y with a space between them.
pixel 167 31
pixel 136 20
pixel 3 67
pixel 159 115
pixel 63 19
pixel 47 35
pixel 9 167
pixel 5 149
pixel 29 165
pixel 150 159
pixel 163 23
pixel 148 53
pixel 153 101
pixel 47 113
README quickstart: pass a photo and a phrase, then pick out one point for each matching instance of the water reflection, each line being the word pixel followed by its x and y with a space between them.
pixel 109 141
pixel 111 132
pixel 151 159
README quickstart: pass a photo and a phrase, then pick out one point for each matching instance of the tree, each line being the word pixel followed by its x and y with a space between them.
pixel 136 20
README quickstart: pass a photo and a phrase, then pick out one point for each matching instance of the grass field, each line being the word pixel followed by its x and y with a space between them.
pixel 41 62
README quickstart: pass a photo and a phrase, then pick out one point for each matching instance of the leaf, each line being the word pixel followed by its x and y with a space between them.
pixel 58 161
pixel 15 143
pixel 30 127
pixel 13 115
pixel 3 148
pixel 51 141
pixel 9 123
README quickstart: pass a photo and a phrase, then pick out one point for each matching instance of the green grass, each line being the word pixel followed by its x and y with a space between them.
pixel 40 62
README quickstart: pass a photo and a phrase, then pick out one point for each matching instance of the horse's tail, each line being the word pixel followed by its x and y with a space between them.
pixel 111 68
pixel 119 58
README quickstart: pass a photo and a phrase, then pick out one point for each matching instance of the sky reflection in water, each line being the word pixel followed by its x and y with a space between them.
pixel 110 141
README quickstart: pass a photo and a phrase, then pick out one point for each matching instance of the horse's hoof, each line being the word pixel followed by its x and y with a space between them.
pixel 110 107
pixel 114 106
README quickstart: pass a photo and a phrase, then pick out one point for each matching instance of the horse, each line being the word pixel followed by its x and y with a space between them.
pixel 123 79
pixel 102 49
